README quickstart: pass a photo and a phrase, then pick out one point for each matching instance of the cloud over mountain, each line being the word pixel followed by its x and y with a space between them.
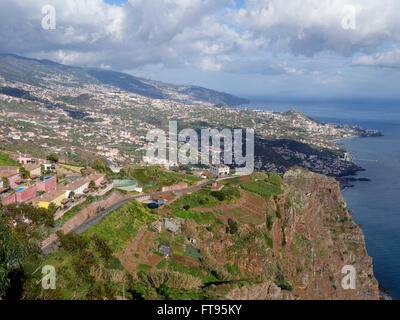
pixel 264 37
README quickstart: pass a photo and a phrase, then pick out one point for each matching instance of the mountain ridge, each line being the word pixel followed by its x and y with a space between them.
pixel 34 71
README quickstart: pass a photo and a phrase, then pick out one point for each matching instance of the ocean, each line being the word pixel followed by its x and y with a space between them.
pixel 375 204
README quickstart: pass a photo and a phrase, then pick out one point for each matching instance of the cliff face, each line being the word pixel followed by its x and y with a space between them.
pixel 316 237
pixel 299 252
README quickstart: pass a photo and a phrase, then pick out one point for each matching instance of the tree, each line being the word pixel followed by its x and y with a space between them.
pixel 12 249
pixel 52 157
pixel 20 241
pixel 103 248
pixel 233 226
pixel 99 166
pixel 92 184
pixel 219 195
pixel 6 182
pixel 24 173
pixel 52 208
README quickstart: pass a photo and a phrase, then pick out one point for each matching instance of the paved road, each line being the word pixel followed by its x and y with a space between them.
pixel 96 219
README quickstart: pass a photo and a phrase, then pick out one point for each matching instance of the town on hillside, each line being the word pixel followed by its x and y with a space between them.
pixel 46 183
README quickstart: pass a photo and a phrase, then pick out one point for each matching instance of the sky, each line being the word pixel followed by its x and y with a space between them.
pixel 266 48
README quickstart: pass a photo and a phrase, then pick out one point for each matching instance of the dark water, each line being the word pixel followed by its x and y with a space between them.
pixel 376 204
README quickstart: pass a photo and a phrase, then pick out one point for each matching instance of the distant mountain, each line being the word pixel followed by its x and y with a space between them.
pixel 42 72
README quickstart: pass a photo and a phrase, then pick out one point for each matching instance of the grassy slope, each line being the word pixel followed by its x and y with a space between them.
pixel 5 160
pixel 118 229
pixel 122 226
pixel 266 185
pixel 148 176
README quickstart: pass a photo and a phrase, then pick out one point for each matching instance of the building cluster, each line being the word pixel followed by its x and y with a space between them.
pixel 112 124
pixel 37 184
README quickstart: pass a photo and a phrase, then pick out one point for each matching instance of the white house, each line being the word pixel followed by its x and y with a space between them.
pixel 77 187
pixel 49 166
pixel 219 170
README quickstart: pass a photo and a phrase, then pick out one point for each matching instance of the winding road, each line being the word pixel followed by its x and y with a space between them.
pixel 96 219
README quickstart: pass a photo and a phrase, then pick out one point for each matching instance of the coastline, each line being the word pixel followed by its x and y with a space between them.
pixel 384 293
pixel 366 199
pixel 345 180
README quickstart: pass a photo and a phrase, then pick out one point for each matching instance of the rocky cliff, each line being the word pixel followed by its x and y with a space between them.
pixel 316 237
pixel 298 253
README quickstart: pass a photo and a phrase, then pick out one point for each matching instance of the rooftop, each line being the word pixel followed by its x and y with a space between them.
pixel 8 171
pixel 75 184
pixel 49 196
pixel 31 166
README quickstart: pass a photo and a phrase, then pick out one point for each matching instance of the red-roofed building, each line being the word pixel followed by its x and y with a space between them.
pixel 21 195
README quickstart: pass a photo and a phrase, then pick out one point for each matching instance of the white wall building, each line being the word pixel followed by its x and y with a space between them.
pixel 219 170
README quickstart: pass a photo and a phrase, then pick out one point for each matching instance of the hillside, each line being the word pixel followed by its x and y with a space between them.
pixel 44 73
pixel 259 237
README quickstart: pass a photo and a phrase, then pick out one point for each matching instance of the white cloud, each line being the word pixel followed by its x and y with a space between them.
pixel 200 34
pixel 310 26
pixel 389 59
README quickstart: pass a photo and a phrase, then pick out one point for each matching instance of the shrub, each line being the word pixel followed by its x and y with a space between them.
pixel 102 247
pixel 278 213
pixel 217 271
pixel 219 195
pixel 233 226
pixel 174 280
pixel 72 242
pixel 115 264
pixel 269 241
pixel 270 222
pixel 282 282
pixel 82 264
